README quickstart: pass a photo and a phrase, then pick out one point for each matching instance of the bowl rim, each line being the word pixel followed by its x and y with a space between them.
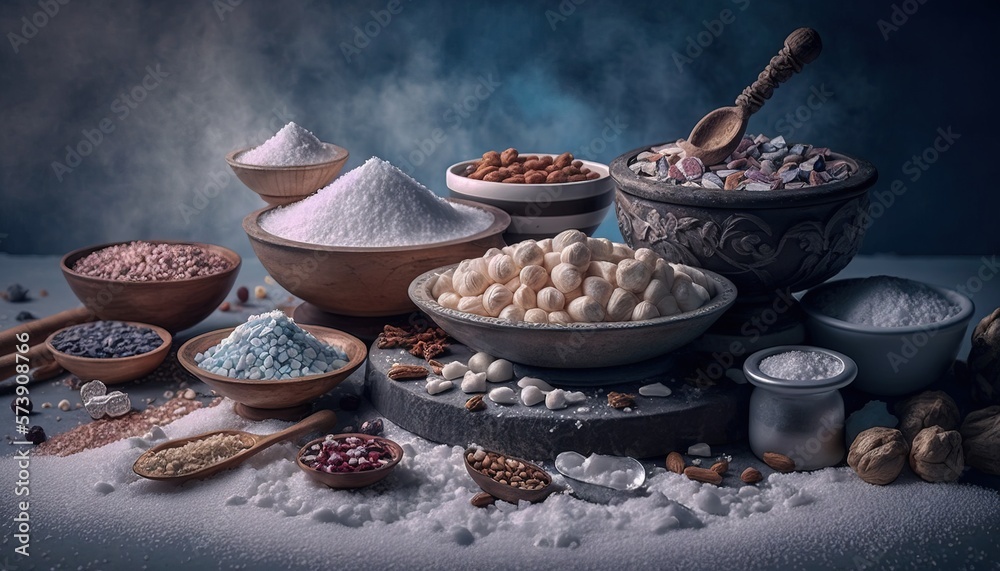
pixel 966 309
pixel 634 487
pixel 398 454
pixel 758 378
pixel 643 187
pixel 251 225
pixel 164 335
pixel 601 168
pixel 418 292
pixel 79 253
pixel 340 155
pixel 187 361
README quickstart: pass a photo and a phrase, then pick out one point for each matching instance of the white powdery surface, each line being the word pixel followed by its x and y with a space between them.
pixel 290 146
pixel 375 205
pixel 802 366
pixel 886 301
pixel 266 514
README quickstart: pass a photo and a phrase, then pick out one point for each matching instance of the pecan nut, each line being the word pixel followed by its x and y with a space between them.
pixel 621 400
pixel 400 372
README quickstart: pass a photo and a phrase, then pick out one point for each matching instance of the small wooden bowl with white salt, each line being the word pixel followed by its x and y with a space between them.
pixel 283 185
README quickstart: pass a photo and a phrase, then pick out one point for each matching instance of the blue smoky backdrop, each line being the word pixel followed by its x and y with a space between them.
pixel 117 116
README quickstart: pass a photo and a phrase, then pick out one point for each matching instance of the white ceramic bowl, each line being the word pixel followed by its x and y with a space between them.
pixel 540 211
pixel 891 360
pixel 575 345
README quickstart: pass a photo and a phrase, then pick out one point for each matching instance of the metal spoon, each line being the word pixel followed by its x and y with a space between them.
pixel 718 134
pixel 317 421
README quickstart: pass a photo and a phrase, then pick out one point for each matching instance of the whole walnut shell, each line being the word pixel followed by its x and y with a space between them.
pixel 981 440
pixel 878 455
pixel 936 454
pixel 984 359
pixel 929 408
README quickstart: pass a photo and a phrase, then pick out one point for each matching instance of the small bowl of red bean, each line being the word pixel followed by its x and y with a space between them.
pixel 349 460
pixel 543 193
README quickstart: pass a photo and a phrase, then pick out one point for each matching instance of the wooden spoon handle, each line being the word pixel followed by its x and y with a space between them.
pixel 36 356
pixel 316 421
pixel 801 47
pixel 39 329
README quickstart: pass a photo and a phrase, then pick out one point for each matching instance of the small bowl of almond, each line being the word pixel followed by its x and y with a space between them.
pixel 508 478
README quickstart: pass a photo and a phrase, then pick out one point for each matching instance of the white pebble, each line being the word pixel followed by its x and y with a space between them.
pixel 479 362
pixel 574 397
pixel 500 371
pixel 453 370
pixel 503 395
pixel 474 382
pixel 437 386
pixel 556 399
pixel 533 382
pixel 700 449
pixel 531 396
pixel 655 390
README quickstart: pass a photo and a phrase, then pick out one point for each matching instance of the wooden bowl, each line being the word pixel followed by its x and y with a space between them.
pixel 274 395
pixel 360 281
pixel 506 492
pixel 539 211
pixel 575 345
pixel 173 305
pixel 351 480
pixel 113 370
pixel 283 185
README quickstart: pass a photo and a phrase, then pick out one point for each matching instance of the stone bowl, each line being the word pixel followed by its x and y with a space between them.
pixel 539 211
pixel 283 185
pixel 575 345
pixel 351 480
pixel 762 241
pixel 275 395
pixel 173 305
pixel 360 281
pixel 891 361
pixel 113 370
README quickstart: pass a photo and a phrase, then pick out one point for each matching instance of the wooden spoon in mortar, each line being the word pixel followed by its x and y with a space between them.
pixel 718 134
pixel 317 421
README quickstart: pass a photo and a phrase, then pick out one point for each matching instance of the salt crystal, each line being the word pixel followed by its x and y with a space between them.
pixel 531 395
pixel 575 397
pixel 290 146
pixel 473 382
pixel 453 370
pixel 802 366
pixel 533 382
pixel 655 390
pixel 556 399
pixel 375 205
pixel 499 371
pixel 885 301
pixel 437 386
pixel 700 449
pixel 503 395
pixel 616 472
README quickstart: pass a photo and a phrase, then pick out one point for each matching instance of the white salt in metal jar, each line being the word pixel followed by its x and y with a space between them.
pixel 796 408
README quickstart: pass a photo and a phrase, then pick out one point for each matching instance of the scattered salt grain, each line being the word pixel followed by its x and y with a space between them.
pixel 802 366
pixel 290 146
pixel 375 205
pixel 885 301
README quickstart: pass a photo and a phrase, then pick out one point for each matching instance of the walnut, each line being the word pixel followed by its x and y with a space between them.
pixel 929 408
pixel 621 400
pixel 981 439
pixel 878 455
pixel 984 359
pixel 936 454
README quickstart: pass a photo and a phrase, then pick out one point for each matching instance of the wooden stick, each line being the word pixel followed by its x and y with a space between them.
pixel 39 329
pixel 37 356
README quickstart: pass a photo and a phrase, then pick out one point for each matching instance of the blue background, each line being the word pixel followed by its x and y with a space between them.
pixel 436 83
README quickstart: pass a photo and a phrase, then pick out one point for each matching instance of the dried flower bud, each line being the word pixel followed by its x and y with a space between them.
pixel 981 439
pixel 929 408
pixel 878 455
pixel 936 454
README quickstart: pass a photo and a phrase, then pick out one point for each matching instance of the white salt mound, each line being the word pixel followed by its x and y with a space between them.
pixel 885 301
pixel 802 366
pixel 291 146
pixel 375 205
pixel 609 471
